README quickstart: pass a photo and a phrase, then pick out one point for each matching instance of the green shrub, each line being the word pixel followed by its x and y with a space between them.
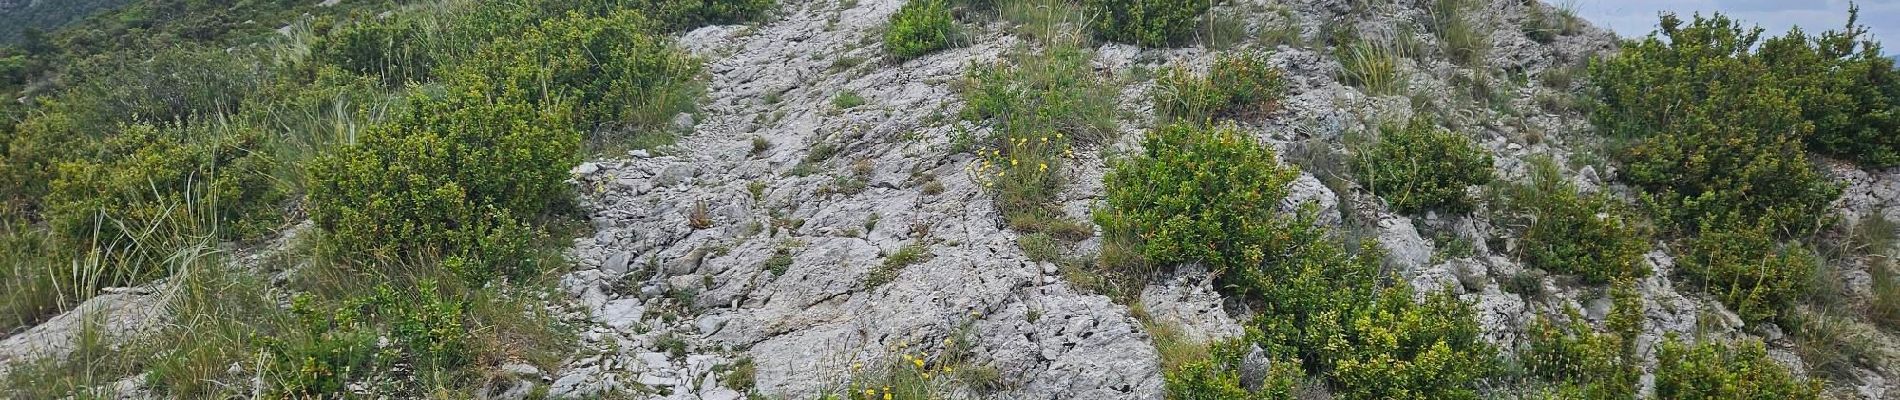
pixel 1845 86
pixel 611 69
pixel 395 49
pixel 921 27
pixel 1717 134
pixel 1745 268
pixel 1386 346
pixel 1198 194
pixel 1218 377
pixel 1573 233
pixel 449 179
pixel 1585 363
pixel 147 175
pixel 1717 370
pixel 426 331
pixel 1153 23
pixel 1418 167
pixel 1238 85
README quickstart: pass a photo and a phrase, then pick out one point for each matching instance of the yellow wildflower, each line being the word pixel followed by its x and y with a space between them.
pixel 1042 166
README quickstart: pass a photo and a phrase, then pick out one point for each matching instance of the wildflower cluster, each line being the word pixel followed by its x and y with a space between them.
pixel 917 374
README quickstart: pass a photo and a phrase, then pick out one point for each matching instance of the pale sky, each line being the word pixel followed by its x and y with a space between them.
pixel 1636 18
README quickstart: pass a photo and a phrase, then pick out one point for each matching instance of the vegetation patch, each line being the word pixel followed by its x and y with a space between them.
pixel 1418 167
pixel 1039 107
pixel 1237 86
pixel 1153 23
pixel 1594 236
pixel 921 27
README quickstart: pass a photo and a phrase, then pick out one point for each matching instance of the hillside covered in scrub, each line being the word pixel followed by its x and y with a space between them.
pixel 941 199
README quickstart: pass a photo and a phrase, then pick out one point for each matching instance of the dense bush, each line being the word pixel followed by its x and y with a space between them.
pixel 1717 370
pixel 1418 167
pixel 610 68
pixel 396 49
pixel 1845 86
pixel 1574 233
pixel 448 179
pixel 1154 23
pixel 1747 270
pixel 689 14
pixel 1210 195
pixel 921 27
pixel 1238 85
pixel 147 175
pixel 1198 194
pixel 1718 134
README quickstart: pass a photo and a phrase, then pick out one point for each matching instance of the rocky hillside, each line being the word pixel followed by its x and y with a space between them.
pixel 829 223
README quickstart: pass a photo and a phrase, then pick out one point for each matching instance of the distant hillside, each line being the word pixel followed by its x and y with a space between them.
pixel 17 16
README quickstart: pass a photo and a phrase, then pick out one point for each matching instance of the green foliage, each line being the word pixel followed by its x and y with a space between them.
pixel 1718 135
pixel 1038 107
pixel 448 179
pixel 1198 194
pixel 610 69
pixel 681 15
pixel 921 27
pixel 1219 377
pixel 1466 39
pixel 1238 85
pixel 1211 195
pixel 1152 23
pixel 1716 370
pixel 1418 167
pixel 1590 235
pixel 396 49
pixel 335 347
pixel 1845 86
pixel 148 172
pixel 1745 268
pixel 1586 363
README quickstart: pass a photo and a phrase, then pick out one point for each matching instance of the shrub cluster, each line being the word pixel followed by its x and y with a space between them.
pixel 1719 138
pixel 335 346
pixel 147 176
pixel 448 180
pixel 921 27
pixel 1209 195
pixel 611 69
pixel 1718 370
pixel 1237 86
pixel 1219 377
pixel 1845 86
pixel 1418 167
pixel 1590 235
pixel 1196 194
pixel 1748 270
pixel 1155 23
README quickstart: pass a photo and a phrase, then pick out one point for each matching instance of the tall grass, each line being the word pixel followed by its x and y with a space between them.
pixel 1458 25
pixel 1372 66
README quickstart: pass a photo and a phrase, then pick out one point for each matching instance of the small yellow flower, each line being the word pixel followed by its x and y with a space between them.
pixel 868 392
pixel 1042 166
pixel 918 361
pixel 887 395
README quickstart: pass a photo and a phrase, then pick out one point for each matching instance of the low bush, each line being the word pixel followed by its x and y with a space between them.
pixel 1153 23
pixel 1418 167
pixel 426 330
pixel 147 175
pixel 448 179
pixel 688 14
pixel 921 27
pixel 1587 364
pixel 1590 235
pixel 1198 194
pixel 610 69
pixel 1846 86
pixel 1219 377
pixel 1210 195
pixel 1717 134
pixel 1237 86
pixel 1718 370
pixel 1747 269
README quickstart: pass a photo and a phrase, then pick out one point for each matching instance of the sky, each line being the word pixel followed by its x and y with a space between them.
pixel 1636 18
